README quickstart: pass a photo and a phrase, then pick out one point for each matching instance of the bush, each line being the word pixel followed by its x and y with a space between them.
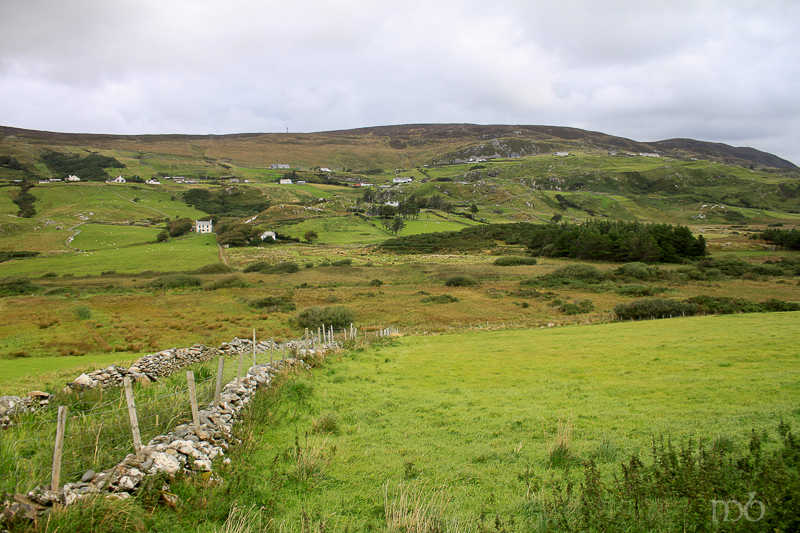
pixel 779 305
pixel 50 275
pixel 175 281
pixel 342 263
pixel 640 271
pixel 214 268
pixel 460 281
pixel 274 303
pixel 654 308
pixel 375 283
pixel 577 308
pixel 17 287
pixel 579 272
pixel 229 282
pixel 442 299
pixel 337 316
pixel 256 267
pixel 638 290
pixel 287 267
pixel 513 260
pixel 83 312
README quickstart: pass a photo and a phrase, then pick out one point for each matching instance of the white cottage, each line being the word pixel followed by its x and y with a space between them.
pixel 203 226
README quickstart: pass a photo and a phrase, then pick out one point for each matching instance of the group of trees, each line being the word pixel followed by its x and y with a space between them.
pixel 92 167
pixel 236 202
pixel 25 200
pixel 617 241
pixel 787 239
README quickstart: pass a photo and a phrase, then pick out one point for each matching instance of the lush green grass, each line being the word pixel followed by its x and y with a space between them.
pixel 104 237
pixel 175 255
pixel 46 372
pixel 475 415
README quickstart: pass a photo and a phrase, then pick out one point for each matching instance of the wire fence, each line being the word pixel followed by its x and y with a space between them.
pixel 98 434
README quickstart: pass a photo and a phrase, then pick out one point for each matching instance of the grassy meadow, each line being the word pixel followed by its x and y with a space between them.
pixel 467 422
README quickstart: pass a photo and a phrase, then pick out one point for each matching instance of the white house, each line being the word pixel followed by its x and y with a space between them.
pixel 203 226
pixel 285 181
pixel 118 179
pixel 402 180
pixel 280 165
pixel 393 203
pixel 73 178
pixel 153 181
pixel 562 154
pixel 269 234
pixel 324 169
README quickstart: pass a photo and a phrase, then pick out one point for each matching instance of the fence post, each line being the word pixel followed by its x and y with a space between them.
pixel 218 388
pixel 193 399
pixel 284 351
pixel 58 450
pixel 305 337
pixel 137 440
pixel 239 372
pixel 271 348
pixel 254 350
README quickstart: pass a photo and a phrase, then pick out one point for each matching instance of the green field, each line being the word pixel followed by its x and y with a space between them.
pixel 175 255
pixel 472 416
pixel 105 237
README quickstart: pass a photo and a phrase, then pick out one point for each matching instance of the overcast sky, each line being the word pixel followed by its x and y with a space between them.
pixel 715 70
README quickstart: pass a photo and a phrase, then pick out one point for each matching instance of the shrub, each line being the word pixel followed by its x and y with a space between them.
pixel 638 290
pixel 337 316
pixel 375 283
pixel 513 260
pixel 175 281
pixel 442 299
pixel 460 281
pixel 577 308
pixel 214 268
pixel 83 312
pixel 640 271
pixel 229 282
pixel 579 272
pixel 274 303
pixel 17 287
pixel 50 275
pixel 342 263
pixel 653 308
pixel 779 305
pixel 256 267
pixel 108 272
pixel 287 267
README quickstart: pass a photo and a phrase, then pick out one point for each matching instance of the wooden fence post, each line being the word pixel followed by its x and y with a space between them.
pixel 254 350
pixel 218 388
pixel 58 450
pixel 271 348
pixel 193 399
pixel 137 440
pixel 239 372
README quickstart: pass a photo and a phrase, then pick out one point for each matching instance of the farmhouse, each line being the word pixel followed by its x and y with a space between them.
pixel 562 154
pixel 402 180
pixel 280 165
pixel 73 178
pixel 393 203
pixel 269 234
pixel 118 179
pixel 153 181
pixel 203 226
pixel 285 181
pixel 324 169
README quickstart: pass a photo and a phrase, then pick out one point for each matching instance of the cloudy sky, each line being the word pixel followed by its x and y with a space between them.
pixel 716 70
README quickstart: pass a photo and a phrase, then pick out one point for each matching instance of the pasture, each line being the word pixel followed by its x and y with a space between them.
pixel 466 423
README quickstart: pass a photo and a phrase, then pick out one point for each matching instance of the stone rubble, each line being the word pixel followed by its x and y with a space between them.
pixel 12 405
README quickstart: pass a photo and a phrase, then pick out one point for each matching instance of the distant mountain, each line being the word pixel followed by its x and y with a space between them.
pixel 420 143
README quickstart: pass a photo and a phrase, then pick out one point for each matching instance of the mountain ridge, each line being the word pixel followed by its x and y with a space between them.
pixel 451 135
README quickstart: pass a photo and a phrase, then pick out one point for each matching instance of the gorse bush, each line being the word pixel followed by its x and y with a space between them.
pixel 639 271
pixel 461 281
pixel 513 260
pixel 342 263
pixel 256 267
pixel 175 281
pixel 214 268
pixel 579 272
pixel 229 282
pixel 645 308
pixel 273 303
pixel 18 286
pixel 441 299
pixel 337 316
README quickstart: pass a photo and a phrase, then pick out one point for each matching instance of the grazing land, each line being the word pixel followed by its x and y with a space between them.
pixel 499 365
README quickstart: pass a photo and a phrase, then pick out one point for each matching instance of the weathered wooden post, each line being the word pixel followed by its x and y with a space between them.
pixel 58 450
pixel 137 440
pixel 218 388
pixel 193 399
